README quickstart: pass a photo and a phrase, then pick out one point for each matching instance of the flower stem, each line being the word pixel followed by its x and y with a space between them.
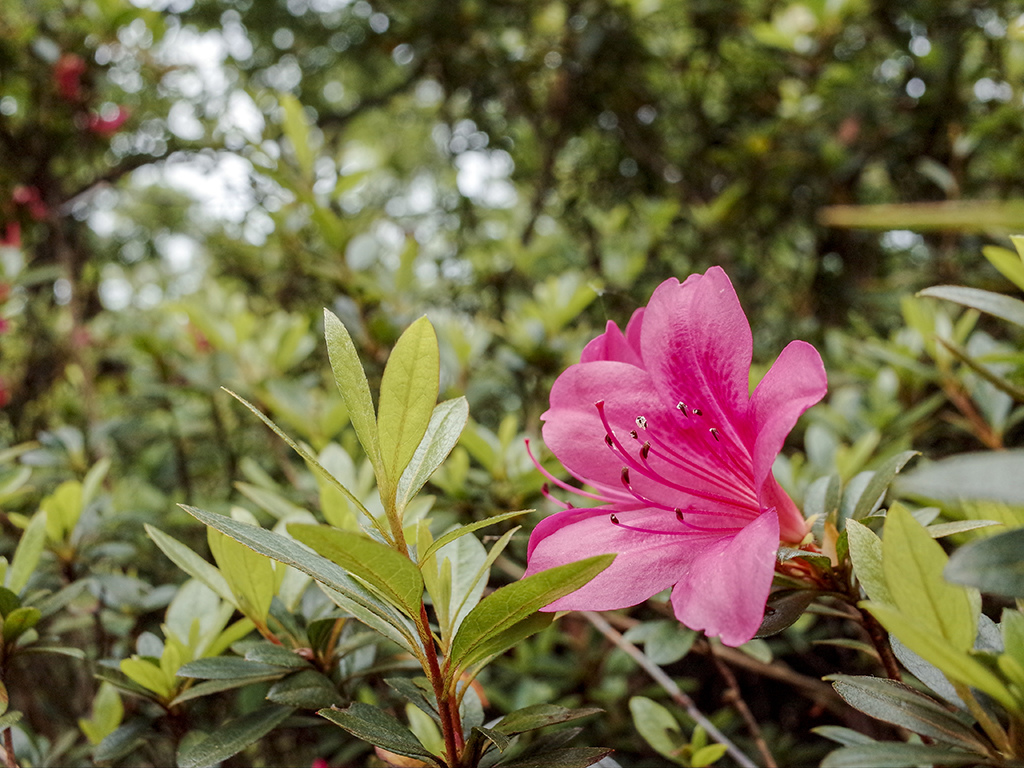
pixel 451 726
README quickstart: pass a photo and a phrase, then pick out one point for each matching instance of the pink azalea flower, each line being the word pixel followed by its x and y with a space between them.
pixel 660 423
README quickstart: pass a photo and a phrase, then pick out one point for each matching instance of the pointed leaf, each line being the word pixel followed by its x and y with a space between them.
pixel 1007 262
pixel 567 757
pixel 879 482
pixel 351 381
pixel 901 705
pixel 462 530
pixel 540 716
pixel 866 554
pixel 328 573
pixel 393 575
pixel 228 668
pixel 512 603
pixel 26 556
pixel 408 393
pixel 446 424
pixel 380 729
pixel 893 754
pixel 995 304
pixel 307 689
pixel 232 737
pixel 988 475
pixel 191 563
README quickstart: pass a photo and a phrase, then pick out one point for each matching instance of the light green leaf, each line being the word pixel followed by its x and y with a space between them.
pixel 512 603
pixel 956 663
pixel 249 575
pixel 148 675
pixel 443 431
pixel 26 556
pixel 996 304
pixel 912 562
pixel 191 563
pixel 462 530
pixel 107 712
pixel 988 475
pixel 296 130
pixel 408 393
pixel 63 507
pixel 658 727
pixel 994 565
pixel 393 575
pixel 497 644
pixel 879 482
pixel 351 381
pixel 232 737
pixel 866 554
pixel 940 530
pixel 1007 262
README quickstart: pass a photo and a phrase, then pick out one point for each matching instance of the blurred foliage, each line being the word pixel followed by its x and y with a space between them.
pixel 186 184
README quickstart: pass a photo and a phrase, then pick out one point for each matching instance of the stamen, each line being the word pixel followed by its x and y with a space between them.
pixel 614 519
pixel 682 407
pixel 633 434
pixel 644 450
pixel 608 440
pixel 679 515
pixel 561 483
pixel 696 411
pixel 714 434
pixel 673 457
pixel 692 529
pixel 641 422
pixel 625 476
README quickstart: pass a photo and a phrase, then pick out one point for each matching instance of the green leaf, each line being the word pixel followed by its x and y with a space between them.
pixel 707 755
pixel 307 689
pixel 995 304
pixel 228 668
pixel 63 507
pixel 191 563
pixel 510 637
pixel 296 130
pixel 879 482
pixel 232 737
pixel 540 716
pixel 351 381
pixel 267 653
pixel 955 663
pixel 840 735
pixel 1007 262
pixel 893 754
pixel 446 424
pixel 665 641
pixel 408 393
pixel 901 705
pixel 26 556
pixel 988 475
pixel 380 729
pixel 994 565
pixel 249 575
pixel 395 576
pixel 123 741
pixel 567 757
pixel 363 604
pixel 508 605
pixel 107 711
pixel 148 675
pixel 912 562
pixel 416 695
pixel 783 608
pixel 20 620
pixel 209 687
pixel 658 727
pixel 941 530
pixel 866 554
pixel 462 530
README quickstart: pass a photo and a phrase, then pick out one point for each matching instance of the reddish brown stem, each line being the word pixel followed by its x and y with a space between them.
pixel 880 639
pixel 451 726
pixel 9 760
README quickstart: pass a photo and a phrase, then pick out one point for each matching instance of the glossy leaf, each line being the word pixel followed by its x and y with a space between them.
pixel 232 737
pixel 393 575
pixel 446 424
pixel 408 394
pixel 380 729
pixel 512 603
pixel 994 565
pixel 351 381
pixel 901 705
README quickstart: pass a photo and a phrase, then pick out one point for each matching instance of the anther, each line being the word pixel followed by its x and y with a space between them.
pixel 633 434
pixel 625 476
pixel 696 411
pixel 714 434
pixel 644 450
pixel 679 514
pixel 641 422
pixel 545 489
pixel 614 519
pixel 608 440
pixel 682 407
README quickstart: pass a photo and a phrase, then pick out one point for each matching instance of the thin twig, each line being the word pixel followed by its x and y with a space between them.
pixel 666 682
pixel 734 696
pixel 10 761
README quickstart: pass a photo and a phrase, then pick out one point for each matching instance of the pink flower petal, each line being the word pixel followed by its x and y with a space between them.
pixel 645 563
pixel 724 589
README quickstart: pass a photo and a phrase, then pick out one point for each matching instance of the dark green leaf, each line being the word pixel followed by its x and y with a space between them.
pixel 307 689
pixel 8 601
pixel 994 565
pixel 393 575
pixel 228 668
pixel 18 621
pixel 897 755
pixel 879 482
pixel 995 304
pixel 122 741
pixel 415 694
pixel 845 736
pixel 901 705
pixel 539 716
pixel 232 737
pixel 267 653
pixel 567 757
pixel 783 608
pixel 380 729
pixel 512 603
pixel 209 687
